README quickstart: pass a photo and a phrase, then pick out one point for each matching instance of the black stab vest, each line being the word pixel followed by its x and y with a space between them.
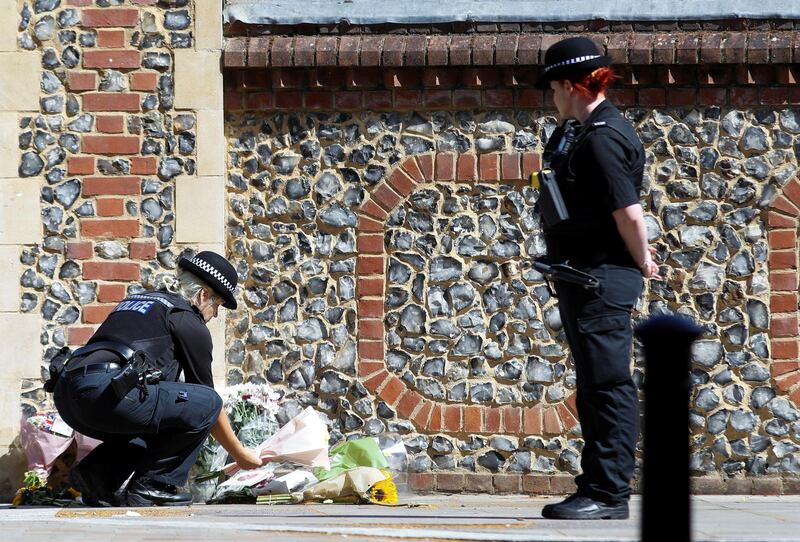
pixel 588 244
pixel 141 321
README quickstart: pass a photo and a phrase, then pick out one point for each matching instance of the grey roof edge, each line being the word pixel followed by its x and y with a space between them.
pixel 367 12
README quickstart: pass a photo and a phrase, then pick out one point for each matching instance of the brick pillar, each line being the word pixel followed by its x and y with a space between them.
pixel 112 86
pixel 107 158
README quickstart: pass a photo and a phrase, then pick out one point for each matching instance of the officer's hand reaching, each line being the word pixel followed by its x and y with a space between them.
pixel 650 267
pixel 248 459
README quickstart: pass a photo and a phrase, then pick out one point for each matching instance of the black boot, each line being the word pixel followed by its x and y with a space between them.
pixel 578 507
pixel 548 508
pixel 146 492
pixel 92 487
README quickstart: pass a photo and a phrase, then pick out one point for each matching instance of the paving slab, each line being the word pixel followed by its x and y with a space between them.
pixel 434 518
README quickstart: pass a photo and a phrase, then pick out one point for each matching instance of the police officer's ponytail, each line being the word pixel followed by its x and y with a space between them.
pixel 593 83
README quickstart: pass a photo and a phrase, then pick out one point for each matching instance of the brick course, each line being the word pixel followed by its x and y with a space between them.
pixel 123 271
pixel 431 87
pixel 105 186
pixel 96 227
pixel 111 58
pixel 111 101
pixel 501 49
pixel 110 145
pixel 110 17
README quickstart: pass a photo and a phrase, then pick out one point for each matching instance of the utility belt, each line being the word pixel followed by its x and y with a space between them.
pixel 566 273
pixel 133 371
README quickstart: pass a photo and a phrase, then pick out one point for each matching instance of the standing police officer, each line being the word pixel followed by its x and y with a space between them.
pixel 151 429
pixel 600 177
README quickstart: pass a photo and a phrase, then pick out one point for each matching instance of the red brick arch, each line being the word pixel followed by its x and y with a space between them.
pixel 783 223
pixel 428 415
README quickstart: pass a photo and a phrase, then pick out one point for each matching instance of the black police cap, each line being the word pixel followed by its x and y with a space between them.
pixel 215 271
pixel 570 56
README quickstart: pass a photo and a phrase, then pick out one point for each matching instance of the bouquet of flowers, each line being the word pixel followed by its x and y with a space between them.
pixel 303 440
pixel 36 491
pixel 359 472
pixel 251 409
pixel 45 439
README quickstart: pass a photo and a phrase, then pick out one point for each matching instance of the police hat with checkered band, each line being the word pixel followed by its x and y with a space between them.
pixel 215 271
pixel 568 57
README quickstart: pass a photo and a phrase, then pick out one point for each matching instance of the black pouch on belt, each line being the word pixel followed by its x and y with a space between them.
pixel 551 202
pixel 125 380
pixel 56 368
pixel 133 374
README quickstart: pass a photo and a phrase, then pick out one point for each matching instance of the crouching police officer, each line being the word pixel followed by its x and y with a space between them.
pixel 599 173
pixel 123 388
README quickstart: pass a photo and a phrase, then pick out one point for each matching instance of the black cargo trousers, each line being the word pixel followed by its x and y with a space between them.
pixel 156 436
pixel 598 328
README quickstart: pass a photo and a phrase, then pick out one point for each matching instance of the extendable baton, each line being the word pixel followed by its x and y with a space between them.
pixel 565 273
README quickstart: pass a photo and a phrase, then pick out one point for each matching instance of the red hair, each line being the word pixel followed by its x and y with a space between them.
pixel 593 83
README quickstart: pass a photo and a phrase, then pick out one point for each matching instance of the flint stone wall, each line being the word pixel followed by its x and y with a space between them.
pixel 367 240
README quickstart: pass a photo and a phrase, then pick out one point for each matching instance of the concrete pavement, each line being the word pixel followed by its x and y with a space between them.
pixel 430 517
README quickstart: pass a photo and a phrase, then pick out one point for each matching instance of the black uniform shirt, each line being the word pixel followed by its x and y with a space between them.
pixel 603 173
pixel 193 346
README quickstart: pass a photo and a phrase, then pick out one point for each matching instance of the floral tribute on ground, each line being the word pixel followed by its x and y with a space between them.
pixel 298 467
pixel 51 447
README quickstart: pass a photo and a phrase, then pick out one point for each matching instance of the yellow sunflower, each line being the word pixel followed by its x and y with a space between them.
pixel 385 491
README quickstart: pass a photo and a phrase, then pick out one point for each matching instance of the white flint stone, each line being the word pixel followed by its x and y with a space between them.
pixel 496 127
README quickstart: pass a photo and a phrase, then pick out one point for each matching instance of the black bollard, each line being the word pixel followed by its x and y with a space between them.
pixel 666 513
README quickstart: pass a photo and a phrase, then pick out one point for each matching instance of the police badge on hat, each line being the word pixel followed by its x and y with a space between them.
pixel 569 56
pixel 215 271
